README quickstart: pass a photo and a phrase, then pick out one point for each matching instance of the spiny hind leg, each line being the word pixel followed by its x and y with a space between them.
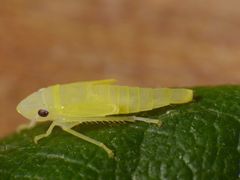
pixel 134 119
pixel 49 131
pixel 121 119
pixel 148 120
pixel 90 140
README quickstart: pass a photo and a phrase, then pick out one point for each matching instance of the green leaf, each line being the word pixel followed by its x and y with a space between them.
pixel 198 140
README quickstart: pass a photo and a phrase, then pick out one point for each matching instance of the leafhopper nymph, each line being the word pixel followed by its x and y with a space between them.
pixel 69 105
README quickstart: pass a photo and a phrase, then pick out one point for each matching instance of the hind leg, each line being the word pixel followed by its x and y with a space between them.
pixel 132 119
pixel 119 119
pixel 148 120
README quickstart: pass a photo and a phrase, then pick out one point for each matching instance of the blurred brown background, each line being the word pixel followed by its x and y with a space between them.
pixel 139 42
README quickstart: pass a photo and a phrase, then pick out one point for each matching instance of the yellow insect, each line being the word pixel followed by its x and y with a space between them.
pixel 95 101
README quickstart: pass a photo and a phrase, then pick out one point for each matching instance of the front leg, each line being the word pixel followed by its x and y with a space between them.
pixel 49 131
pixel 26 126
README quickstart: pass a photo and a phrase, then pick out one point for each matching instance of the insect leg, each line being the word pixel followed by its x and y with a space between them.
pixel 26 126
pixel 88 139
pixel 148 120
pixel 49 131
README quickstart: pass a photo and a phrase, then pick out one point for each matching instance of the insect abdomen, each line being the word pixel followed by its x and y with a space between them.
pixel 128 99
pixel 134 99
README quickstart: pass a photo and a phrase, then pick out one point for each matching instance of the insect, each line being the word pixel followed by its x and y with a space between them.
pixel 69 105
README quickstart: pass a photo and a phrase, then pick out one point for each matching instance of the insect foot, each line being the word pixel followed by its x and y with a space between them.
pixel 148 120
pixel 110 154
pixel 155 121
pixel 37 138
pixel 109 151
pixel 159 123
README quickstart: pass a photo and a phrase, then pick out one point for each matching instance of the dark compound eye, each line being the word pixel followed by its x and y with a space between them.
pixel 43 113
